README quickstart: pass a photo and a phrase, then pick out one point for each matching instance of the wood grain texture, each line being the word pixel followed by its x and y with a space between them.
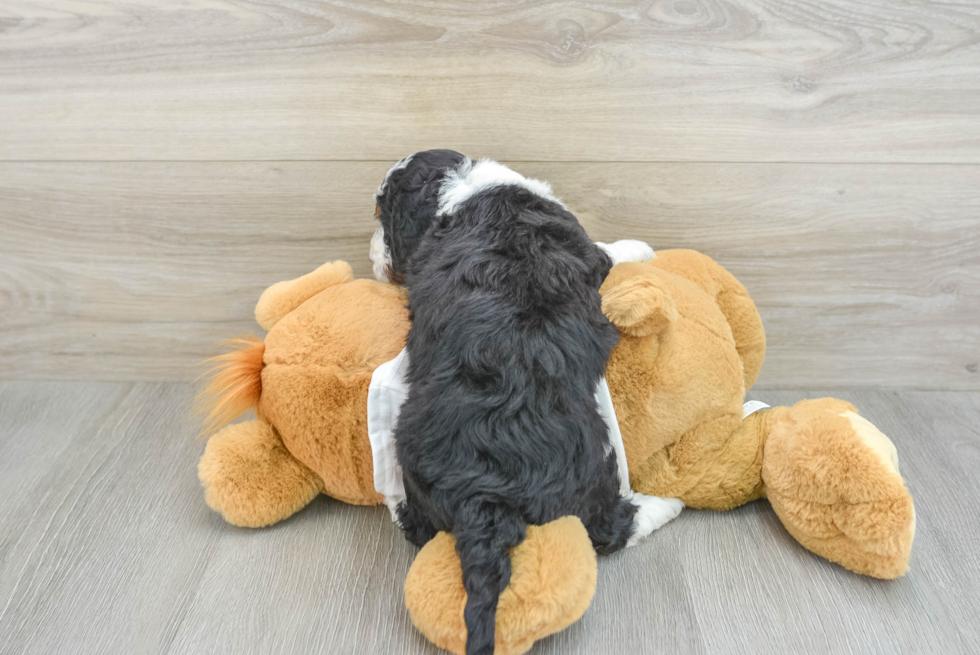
pixel 617 80
pixel 106 546
pixel 865 275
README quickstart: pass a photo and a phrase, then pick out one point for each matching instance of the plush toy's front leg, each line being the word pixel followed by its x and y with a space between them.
pixel 832 478
pixel 250 477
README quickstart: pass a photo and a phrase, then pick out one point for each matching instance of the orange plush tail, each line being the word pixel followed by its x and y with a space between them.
pixel 235 383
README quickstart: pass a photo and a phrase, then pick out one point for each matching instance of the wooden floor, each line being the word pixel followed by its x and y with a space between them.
pixel 106 546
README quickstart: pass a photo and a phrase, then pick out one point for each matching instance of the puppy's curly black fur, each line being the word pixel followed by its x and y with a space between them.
pixel 508 341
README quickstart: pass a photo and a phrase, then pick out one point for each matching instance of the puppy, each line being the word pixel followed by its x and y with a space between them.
pixel 500 428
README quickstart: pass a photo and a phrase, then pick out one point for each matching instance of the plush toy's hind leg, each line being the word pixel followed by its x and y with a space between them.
pixel 250 477
pixel 552 581
pixel 832 477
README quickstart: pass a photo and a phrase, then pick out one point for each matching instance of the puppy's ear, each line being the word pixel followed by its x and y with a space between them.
pixel 639 307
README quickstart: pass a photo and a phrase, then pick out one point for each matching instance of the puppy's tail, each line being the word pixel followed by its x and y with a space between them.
pixel 235 383
pixel 489 532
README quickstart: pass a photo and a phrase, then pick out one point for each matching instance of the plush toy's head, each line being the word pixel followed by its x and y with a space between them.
pixel 319 359
pixel 691 343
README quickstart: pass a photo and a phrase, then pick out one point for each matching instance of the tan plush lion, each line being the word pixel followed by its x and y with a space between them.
pixel 691 344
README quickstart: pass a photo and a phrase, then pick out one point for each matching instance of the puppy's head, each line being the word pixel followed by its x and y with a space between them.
pixel 407 204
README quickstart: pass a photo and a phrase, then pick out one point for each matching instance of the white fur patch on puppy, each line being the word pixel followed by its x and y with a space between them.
pixel 627 250
pixel 469 179
pixel 652 512
pixel 401 163
pixel 380 256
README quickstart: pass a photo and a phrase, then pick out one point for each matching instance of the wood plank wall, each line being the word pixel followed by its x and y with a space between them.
pixel 161 163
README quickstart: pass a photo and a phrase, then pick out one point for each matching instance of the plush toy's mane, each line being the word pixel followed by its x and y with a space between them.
pixel 235 383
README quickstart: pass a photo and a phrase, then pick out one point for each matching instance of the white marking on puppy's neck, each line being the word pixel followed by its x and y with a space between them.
pixel 469 179
pixel 380 256
pixel 401 163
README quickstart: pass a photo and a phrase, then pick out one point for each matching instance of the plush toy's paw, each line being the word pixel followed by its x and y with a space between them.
pixel 652 513
pixel 639 305
pixel 251 479
pixel 833 479
pixel 552 581
pixel 628 250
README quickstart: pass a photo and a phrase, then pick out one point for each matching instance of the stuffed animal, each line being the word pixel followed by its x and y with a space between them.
pixel 691 343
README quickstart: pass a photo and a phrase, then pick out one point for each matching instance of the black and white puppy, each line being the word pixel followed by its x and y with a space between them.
pixel 500 428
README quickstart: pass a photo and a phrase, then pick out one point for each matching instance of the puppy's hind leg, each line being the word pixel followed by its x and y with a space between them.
pixel 415 524
pixel 610 528
pixel 629 520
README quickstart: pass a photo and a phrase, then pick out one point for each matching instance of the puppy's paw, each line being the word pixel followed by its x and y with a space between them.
pixel 652 512
pixel 628 250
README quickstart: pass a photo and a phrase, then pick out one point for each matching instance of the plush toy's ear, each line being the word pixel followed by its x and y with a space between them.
pixel 639 307
pixel 283 297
